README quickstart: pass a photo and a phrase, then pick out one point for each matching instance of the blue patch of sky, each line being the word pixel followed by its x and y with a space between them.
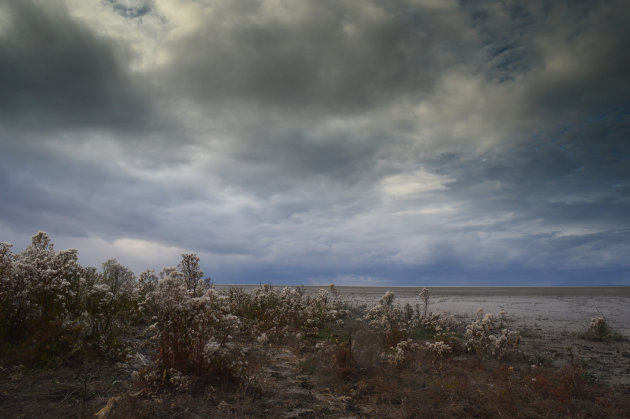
pixel 130 12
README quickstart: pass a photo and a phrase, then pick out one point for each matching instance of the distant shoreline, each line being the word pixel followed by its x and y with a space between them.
pixel 620 291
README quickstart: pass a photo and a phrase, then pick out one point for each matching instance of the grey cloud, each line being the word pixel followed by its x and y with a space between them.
pixel 569 57
pixel 58 73
pixel 328 57
pixel 262 141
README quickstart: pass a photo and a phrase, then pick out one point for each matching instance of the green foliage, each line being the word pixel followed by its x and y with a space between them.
pixel 421 333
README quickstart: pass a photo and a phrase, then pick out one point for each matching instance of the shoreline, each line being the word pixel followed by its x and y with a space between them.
pixel 613 290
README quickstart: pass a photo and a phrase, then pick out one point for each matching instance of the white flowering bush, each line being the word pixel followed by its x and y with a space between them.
pixel 39 292
pixel 50 304
pixel 323 308
pixel 440 325
pixel 276 311
pixel 489 336
pixel 402 354
pixel 147 284
pixel 192 274
pixel 196 334
pixel 396 323
pixel 111 302
pixel 600 330
pixel 439 349
pixel 386 315
pixel 598 326
pixel 388 320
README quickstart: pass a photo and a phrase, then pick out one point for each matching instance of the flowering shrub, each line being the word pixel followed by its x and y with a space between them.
pixel 147 284
pixel 599 330
pixel 325 307
pixel 402 354
pixel 50 303
pixel 40 291
pixel 195 334
pixel 191 274
pixel 389 320
pixel 598 326
pixel 439 349
pixel 385 315
pixel 111 302
pixel 274 311
pixel 488 335
pixel 438 324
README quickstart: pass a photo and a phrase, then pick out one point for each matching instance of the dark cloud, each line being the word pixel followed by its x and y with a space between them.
pixel 363 141
pixel 316 56
pixel 57 73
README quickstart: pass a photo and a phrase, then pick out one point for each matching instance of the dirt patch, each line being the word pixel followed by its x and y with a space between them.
pixel 67 391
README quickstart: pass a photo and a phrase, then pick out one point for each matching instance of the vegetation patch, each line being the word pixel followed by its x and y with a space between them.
pixel 599 330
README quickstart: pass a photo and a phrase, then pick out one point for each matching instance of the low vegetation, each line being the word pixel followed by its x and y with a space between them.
pixel 188 349
pixel 599 330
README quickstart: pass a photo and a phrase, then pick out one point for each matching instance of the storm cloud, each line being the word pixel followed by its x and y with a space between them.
pixel 405 142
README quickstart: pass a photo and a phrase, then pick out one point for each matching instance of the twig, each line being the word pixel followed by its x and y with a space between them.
pixel 68 395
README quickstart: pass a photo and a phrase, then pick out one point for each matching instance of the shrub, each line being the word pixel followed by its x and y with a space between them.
pixel 50 304
pixel 111 303
pixel 439 349
pixel 147 284
pixel 389 320
pixel 39 297
pixel 488 336
pixel 195 334
pixel 191 273
pixel 600 330
pixel 276 311
pixel 402 354
pixel 385 315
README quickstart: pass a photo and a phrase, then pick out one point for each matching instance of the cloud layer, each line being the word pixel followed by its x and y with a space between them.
pixel 399 142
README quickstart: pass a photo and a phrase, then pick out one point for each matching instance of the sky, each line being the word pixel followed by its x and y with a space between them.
pixel 360 142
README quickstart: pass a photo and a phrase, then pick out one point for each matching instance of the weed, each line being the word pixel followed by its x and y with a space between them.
pixel 488 336
pixel 599 330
